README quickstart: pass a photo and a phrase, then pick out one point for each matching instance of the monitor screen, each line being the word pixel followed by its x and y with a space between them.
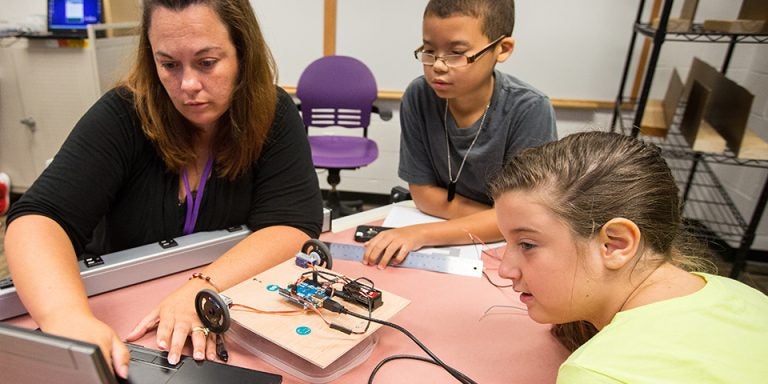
pixel 73 14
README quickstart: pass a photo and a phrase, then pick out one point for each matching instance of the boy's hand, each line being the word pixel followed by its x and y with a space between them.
pixel 392 246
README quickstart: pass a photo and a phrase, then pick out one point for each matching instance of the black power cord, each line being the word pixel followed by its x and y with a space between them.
pixel 335 306
pixel 399 357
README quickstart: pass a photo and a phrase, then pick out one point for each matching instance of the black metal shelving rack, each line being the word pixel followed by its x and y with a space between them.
pixel 709 210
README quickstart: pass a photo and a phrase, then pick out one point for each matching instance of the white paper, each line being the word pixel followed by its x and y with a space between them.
pixel 404 216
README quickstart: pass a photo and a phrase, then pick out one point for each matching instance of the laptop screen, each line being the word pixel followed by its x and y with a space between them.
pixel 33 357
pixel 73 15
pixel 28 356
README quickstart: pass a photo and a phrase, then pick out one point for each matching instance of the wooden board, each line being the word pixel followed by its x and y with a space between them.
pixel 672 97
pixel 728 111
pixel 752 147
pixel 727 106
pixel 653 123
pixel 322 345
pixel 688 12
pixel 708 139
pixel 659 114
pixel 682 23
pixel 734 26
pixel 702 72
pixel 699 134
pixel 674 24
pixel 755 10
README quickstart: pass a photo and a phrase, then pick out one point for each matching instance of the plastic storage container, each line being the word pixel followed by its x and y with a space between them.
pixel 295 365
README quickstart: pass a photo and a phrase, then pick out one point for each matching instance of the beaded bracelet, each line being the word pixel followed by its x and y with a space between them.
pixel 198 275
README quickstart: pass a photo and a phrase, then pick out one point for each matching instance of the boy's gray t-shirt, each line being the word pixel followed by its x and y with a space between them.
pixel 519 117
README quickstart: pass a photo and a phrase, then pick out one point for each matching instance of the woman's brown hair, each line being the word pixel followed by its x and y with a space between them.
pixel 243 129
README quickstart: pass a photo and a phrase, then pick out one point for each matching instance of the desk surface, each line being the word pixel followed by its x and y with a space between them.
pixel 468 323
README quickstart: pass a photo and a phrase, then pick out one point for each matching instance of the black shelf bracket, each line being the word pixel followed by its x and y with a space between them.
pixel 707 202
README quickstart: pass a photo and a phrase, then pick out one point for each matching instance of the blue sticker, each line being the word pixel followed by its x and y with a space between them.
pixel 303 331
pixel 272 287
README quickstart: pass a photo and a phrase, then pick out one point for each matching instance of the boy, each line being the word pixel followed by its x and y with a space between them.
pixel 461 122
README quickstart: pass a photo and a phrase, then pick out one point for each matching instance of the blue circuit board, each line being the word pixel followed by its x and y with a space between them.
pixel 304 294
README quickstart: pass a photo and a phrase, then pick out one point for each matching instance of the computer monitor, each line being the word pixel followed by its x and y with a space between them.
pixel 71 17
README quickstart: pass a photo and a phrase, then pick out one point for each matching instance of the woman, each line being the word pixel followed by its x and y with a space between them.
pixel 593 224
pixel 197 138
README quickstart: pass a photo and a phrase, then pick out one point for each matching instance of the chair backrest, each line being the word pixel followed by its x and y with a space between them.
pixel 337 91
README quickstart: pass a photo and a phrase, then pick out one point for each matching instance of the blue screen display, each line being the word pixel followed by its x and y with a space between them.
pixel 73 14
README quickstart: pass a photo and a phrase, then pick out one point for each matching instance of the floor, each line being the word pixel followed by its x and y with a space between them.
pixel 756 274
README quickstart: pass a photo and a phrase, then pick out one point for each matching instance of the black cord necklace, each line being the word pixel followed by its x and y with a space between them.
pixel 451 181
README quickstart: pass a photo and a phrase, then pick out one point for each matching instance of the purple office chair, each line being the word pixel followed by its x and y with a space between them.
pixel 339 91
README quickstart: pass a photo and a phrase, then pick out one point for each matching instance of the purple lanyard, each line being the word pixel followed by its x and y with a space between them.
pixel 193 204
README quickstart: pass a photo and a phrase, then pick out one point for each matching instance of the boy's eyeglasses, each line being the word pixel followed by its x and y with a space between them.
pixel 453 61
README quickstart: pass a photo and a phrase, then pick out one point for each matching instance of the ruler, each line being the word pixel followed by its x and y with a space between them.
pixel 436 262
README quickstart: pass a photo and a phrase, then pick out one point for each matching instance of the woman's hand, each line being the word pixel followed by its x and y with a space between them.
pixel 88 328
pixel 175 319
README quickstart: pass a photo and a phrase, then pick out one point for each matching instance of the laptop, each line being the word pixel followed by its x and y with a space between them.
pixel 28 356
pixel 69 19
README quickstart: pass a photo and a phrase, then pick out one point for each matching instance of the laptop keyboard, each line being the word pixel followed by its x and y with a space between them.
pixel 149 366
pixel 143 355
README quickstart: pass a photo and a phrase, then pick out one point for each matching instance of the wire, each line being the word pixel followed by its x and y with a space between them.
pixel 492 307
pixel 360 287
pixel 398 357
pixel 335 306
pixel 484 248
pixel 246 308
pixel 490 252
pixel 495 284
pixel 334 277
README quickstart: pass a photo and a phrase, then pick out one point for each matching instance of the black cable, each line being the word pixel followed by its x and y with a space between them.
pixel 335 306
pixel 412 357
pixel 370 286
pixel 398 357
pixel 324 274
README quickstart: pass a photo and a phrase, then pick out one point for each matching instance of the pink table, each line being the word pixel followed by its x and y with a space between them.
pixel 447 313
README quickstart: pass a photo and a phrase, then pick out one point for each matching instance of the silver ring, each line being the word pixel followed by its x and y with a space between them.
pixel 202 329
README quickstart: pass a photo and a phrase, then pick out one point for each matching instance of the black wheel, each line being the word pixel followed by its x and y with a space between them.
pixel 212 311
pixel 321 249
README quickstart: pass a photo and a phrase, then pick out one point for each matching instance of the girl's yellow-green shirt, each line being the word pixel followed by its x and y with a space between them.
pixel 716 335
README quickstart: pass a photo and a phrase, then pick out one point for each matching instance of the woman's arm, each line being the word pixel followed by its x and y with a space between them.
pixel 176 316
pixel 46 275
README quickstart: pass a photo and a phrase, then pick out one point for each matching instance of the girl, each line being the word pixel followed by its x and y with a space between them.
pixel 593 226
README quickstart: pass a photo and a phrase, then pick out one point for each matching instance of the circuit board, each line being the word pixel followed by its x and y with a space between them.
pixel 305 294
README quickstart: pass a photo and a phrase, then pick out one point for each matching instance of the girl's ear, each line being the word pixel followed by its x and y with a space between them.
pixel 619 242
pixel 506 46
